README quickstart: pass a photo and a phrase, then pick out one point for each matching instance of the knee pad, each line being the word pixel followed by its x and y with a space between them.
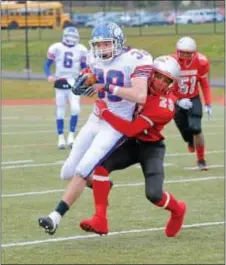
pixel 67 172
pixel 60 111
pixel 153 189
pixel 75 108
pixel 153 195
pixel 195 129
pixel 75 105
pixel 195 124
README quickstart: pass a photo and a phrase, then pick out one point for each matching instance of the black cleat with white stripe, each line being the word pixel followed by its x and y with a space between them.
pixel 47 223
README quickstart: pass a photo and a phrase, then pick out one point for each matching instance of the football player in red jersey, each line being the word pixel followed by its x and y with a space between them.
pixel 194 73
pixel 145 145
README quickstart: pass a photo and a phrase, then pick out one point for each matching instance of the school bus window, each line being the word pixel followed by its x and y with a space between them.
pixel 13 13
pixel 50 12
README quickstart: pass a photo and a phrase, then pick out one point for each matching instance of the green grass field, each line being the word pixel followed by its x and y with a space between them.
pixel 23 89
pixel 31 187
pixel 13 51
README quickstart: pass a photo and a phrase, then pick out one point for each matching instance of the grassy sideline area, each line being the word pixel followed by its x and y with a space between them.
pixel 13 51
pixel 23 89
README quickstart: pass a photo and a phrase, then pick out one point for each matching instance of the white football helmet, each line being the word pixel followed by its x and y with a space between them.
pixel 167 66
pixel 70 36
pixel 186 44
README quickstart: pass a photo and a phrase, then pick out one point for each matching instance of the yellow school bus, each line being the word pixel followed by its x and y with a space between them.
pixel 39 15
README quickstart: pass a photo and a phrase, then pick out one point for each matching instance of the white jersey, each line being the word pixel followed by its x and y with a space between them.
pixel 118 72
pixel 67 59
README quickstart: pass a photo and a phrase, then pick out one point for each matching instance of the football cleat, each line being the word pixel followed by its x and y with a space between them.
pixel 191 148
pixel 95 224
pixel 176 221
pixel 47 223
pixel 202 165
pixel 70 139
pixel 61 142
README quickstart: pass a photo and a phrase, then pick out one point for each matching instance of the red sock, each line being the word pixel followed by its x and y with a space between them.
pixel 101 188
pixel 169 203
pixel 200 152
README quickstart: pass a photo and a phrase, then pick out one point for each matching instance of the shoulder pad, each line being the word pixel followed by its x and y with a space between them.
pixel 202 59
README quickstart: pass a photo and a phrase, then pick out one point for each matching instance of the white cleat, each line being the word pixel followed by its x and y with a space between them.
pixel 61 142
pixel 70 139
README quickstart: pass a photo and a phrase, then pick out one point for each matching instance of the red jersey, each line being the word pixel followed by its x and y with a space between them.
pixel 150 119
pixel 193 75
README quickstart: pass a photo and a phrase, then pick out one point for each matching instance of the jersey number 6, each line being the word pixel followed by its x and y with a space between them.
pixel 68 62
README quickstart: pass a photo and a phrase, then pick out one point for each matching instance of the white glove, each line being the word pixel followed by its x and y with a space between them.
pixel 208 110
pixel 184 103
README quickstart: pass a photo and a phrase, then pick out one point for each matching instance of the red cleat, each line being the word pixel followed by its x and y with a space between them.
pixel 191 148
pixel 176 221
pixel 95 224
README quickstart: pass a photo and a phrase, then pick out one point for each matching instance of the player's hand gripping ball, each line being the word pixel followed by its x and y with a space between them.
pixel 84 81
pixel 91 79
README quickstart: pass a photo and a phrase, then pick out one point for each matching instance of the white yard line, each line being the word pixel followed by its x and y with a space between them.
pixel 28 132
pixel 179 136
pixel 33 165
pixel 10 118
pixel 180 180
pixel 17 162
pixel 61 162
pixel 124 232
pixel 210 166
pixel 165 165
pixel 191 154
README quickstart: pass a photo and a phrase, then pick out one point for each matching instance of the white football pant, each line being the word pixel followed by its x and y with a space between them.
pixel 94 142
pixel 62 95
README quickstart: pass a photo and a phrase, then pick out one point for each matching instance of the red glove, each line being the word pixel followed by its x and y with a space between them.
pixel 85 71
pixel 101 106
pixel 94 89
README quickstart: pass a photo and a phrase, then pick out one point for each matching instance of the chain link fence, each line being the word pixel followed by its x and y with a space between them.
pixel 24 47
pixel 140 18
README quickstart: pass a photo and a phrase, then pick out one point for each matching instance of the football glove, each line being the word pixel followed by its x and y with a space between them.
pixel 100 107
pixel 208 110
pixel 79 88
pixel 90 91
pixel 184 103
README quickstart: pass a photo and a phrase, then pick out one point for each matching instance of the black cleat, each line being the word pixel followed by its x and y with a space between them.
pixel 47 223
pixel 202 165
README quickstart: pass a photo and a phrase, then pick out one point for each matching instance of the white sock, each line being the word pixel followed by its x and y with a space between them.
pixel 56 217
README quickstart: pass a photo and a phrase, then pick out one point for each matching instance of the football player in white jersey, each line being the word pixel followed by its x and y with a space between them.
pixel 113 65
pixel 69 57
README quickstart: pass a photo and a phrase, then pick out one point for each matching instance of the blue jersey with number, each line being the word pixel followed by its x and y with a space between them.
pixel 118 72
pixel 68 60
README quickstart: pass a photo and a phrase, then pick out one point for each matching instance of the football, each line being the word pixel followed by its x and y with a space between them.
pixel 90 80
